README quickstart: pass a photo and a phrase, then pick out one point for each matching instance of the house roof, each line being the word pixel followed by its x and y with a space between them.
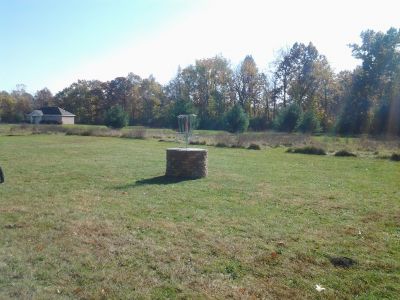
pixel 36 113
pixel 52 110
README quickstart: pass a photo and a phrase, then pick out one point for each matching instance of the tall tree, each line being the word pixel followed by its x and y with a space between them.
pixel 135 106
pixel 7 107
pixel 119 92
pixel 309 69
pixel 42 98
pixel 375 83
pixel 208 85
pixel 15 105
pixel 151 94
pixel 23 102
pixel 84 99
pixel 177 99
pixel 282 75
pixel 247 85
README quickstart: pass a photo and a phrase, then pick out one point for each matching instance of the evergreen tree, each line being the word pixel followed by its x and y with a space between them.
pixel 236 120
pixel 309 122
pixel 116 117
pixel 288 118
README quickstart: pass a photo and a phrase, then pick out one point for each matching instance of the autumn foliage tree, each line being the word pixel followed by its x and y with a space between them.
pixel 300 91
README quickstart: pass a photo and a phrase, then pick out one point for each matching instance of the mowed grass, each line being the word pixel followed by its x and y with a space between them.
pixel 90 218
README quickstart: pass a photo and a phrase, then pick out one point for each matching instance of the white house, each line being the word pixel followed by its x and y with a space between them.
pixel 51 115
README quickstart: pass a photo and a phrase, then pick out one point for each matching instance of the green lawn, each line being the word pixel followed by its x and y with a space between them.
pixel 90 218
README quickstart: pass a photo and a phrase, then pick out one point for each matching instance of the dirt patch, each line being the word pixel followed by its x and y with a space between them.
pixel 372 217
pixel 12 209
pixel 342 261
pixel 15 226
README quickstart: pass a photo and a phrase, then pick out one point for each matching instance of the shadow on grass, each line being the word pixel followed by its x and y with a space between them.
pixel 158 180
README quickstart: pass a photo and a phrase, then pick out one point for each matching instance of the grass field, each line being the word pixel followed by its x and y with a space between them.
pixel 92 217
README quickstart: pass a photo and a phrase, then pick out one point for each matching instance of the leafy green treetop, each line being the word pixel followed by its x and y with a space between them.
pixel 116 117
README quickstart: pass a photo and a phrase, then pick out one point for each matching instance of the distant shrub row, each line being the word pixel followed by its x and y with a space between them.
pixel 292 118
pixel 249 141
pixel 250 147
pixel 345 153
pixel 307 150
pixel 318 151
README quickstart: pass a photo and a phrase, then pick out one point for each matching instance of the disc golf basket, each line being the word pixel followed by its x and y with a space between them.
pixel 186 124
pixel 186 162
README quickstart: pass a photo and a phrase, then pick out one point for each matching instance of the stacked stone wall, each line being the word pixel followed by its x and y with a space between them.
pixel 187 163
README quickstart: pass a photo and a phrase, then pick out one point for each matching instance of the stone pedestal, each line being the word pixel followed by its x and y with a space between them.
pixel 186 163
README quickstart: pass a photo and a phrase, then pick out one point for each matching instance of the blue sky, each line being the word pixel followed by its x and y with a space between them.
pixel 54 43
pixel 41 39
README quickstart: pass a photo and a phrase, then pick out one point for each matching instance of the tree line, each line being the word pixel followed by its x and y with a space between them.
pixel 299 92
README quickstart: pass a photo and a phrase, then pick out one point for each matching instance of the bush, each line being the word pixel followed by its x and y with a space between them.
pixel 287 118
pixel 221 145
pixel 309 122
pixel 236 119
pixel 259 123
pixel 116 117
pixel 395 157
pixel 238 146
pixel 254 147
pixel 308 150
pixel 345 153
